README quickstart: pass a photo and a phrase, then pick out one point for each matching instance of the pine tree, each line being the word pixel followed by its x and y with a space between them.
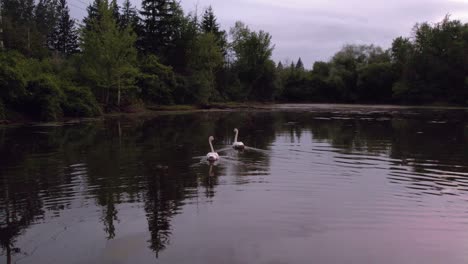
pixel 280 66
pixel 129 16
pixel 65 36
pixel 46 20
pixel 299 65
pixel 210 25
pixel 93 13
pixel 159 26
pixel 115 11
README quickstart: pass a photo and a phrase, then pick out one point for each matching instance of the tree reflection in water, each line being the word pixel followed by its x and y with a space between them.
pixel 148 161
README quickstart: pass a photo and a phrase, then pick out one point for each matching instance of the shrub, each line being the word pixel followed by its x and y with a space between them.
pixel 157 81
pixel 79 102
pixel 12 79
pixel 45 98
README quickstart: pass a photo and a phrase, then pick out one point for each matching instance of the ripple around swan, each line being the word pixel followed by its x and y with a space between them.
pixel 134 190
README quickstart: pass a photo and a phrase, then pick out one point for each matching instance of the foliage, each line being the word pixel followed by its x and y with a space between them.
pixel 256 70
pixel 129 16
pixel 187 59
pixel 79 102
pixel 12 78
pixel 209 24
pixel 2 111
pixel 156 81
pixel 160 24
pixel 65 38
pixel 206 58
pixel 45 98
pixel 109 56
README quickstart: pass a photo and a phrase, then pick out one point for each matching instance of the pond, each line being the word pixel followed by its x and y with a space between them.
pixel 316 184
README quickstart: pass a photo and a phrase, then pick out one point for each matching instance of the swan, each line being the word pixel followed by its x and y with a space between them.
pixel 212 156
pixel 237 144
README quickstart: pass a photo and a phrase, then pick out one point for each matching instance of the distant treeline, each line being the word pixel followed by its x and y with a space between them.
pixel 119 57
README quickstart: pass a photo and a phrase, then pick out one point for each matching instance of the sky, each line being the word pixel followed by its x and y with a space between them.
pixel 316 29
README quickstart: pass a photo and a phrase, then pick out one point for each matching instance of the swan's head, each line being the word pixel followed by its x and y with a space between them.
pixel 236 130
pixel 211 138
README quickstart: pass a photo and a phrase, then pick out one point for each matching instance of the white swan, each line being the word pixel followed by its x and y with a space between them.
pixel 212 156
pixel 237 144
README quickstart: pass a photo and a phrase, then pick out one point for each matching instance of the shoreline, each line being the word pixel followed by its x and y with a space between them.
pixel 329 109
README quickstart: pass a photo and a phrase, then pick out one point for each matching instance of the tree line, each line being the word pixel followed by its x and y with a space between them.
pixel 118 58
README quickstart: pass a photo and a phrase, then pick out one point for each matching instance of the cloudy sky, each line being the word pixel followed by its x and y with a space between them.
pixel 316 29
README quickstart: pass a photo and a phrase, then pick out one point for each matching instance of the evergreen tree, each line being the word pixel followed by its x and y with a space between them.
pixel 210 25
pixel 93 13
pixel 158 26
pixel 46 19
pixel 179 55
pixel 129 16
pixel 280 66
pixel 115 11
pixel 299 65
pixel 65 37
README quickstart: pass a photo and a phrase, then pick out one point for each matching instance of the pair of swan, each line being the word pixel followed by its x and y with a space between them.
pixel 213 156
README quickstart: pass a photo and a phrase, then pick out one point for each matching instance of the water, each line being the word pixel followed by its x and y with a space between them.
pixel 321 184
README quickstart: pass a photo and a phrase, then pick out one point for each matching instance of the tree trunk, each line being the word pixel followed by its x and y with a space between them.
pixel 8 260
pixel 107 96
pixel 29 40
pixel 118 93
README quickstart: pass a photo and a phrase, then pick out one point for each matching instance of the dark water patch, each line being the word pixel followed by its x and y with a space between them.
pixel 341 186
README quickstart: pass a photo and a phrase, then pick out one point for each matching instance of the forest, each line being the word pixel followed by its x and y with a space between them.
pixel 121 59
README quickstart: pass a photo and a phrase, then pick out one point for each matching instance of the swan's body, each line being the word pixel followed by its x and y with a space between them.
pixel 212 156
pixel 237 144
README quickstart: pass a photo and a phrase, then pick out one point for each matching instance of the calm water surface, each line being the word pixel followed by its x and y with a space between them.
pixel 320 185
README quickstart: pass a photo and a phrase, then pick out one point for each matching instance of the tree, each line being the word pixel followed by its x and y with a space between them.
pixel 205 59
pixel 46 16
pixel 129 16
pixel 321 69
pixel 158 25
pixel 255 68
pixel 210 25
pixel 93 13
pixel 375 81
pixel 156 81
pixel 345 64
pixel 65 37
pixel 109 55
pixel 280 66
pixel 299 65
pixel 115 11
pixel 19 27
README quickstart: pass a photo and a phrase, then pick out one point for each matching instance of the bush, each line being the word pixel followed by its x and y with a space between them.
pixel 12 79
pixel 79 102
pixel 2 111
pixel 157 81
pixel 45 98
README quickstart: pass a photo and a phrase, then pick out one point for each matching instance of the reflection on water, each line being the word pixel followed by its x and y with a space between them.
pixel 333 186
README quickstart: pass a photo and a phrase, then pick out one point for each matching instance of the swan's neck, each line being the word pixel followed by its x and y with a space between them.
pixel 235 137
pixel 211 146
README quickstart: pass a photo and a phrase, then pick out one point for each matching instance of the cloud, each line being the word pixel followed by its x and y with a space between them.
pixel 316 29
